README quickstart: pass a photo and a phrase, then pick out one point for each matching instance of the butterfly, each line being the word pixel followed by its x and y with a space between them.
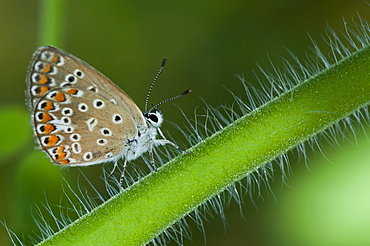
pixel 81 118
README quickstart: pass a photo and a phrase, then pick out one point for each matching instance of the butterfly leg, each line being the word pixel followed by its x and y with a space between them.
pixel 164 141
pixel 114 168
pixel 123 174
pixel 151 154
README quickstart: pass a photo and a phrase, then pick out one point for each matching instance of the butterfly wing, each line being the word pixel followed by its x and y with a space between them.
pixel 54 68
pixel 80 117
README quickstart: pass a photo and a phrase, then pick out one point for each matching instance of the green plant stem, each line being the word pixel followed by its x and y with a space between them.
pixel 51 22
pixel 145 209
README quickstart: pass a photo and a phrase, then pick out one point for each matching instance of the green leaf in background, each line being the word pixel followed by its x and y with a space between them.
pixel 15 130
pixel 35 179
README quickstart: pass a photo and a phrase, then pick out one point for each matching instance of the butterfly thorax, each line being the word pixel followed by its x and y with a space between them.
pixel 145 139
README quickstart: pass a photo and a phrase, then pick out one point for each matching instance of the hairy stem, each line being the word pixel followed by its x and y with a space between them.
pixel 144 210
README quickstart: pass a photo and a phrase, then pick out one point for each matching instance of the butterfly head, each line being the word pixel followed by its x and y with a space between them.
pixel 154 117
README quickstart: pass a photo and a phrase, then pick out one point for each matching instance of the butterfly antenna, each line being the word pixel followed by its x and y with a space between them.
pixel 153 83
pixel 173 98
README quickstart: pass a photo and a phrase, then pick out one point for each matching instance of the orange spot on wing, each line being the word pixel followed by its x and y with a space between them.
pixel 44 89
pixel 65 161
pixel 47 68
pixel 46 117
pixel 44 79
pixel 55 58
pixel 49 106
pixel 72 91
pixel 60 97
pixel 53 139
pixel 49 128
pixel 60 156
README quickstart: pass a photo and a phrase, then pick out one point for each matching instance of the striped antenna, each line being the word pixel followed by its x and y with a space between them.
pixel 170 99
pixel 153 83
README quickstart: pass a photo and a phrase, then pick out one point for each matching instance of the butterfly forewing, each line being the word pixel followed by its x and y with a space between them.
pixel 80 117
pixel 54 68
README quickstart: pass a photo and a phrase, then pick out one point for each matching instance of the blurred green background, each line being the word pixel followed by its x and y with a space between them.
pixel 207 43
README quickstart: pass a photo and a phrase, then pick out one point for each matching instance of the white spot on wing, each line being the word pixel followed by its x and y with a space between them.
pixel 46 55
pixel 87 156
pixel 67 111
pixel 117 119
pixel 106 132
pixel 83 107
pixel 75 137
pixel 76 148
pixel 71 78
pixel 101 141
pixel 68 129
pixel 91 123
pixel 93 88
pixel 108 155
pixel 79 73
pixel 65 121
pixel 98 104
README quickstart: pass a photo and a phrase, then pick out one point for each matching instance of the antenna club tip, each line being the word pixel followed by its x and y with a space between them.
pixel 186 92
pixel 164 62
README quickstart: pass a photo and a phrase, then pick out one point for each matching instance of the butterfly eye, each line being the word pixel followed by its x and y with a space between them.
pixel 153 117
